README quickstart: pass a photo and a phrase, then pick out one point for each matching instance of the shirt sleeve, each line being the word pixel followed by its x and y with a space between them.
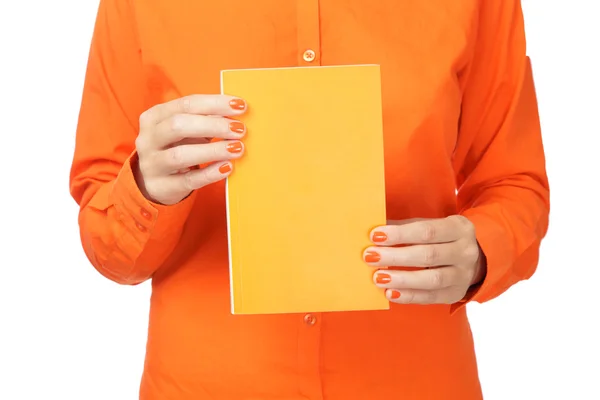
pixel 126 237
pixel 499 158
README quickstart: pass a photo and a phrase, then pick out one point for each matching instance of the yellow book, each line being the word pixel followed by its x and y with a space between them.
pixel 302 200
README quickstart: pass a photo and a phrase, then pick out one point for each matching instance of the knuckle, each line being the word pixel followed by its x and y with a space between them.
pixel 185 104
pixel 188 182
pixel 430 256
pixel 471 253
pixel 146 117
pixel 218 151
pixel 204 178
pixel 175 158
pixel 429 232
pixel 176 124
pixel 457 218
pixel 140 143
pixel 465 224
pixel 469 228
pixel 436 279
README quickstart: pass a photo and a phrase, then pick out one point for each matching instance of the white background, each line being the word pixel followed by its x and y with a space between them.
pixel 67 333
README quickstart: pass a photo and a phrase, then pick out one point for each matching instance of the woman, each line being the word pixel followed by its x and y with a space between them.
pixel 467 191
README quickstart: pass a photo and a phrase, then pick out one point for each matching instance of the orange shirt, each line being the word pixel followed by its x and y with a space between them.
pixel 459 113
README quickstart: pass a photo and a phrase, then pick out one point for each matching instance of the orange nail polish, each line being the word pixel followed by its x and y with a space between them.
pixel 234 147
pixel 379 237
pixel 237 127
pixel 383 278
pixel 237 104
pixel 372 257
pixel 395 295
pixel 225 168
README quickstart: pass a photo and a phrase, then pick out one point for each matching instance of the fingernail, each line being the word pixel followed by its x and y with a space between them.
pixel 372 257
pixel 225 168
pixel 237 104
pixel 234 147
pixel 379 237
pixel 383 278
pixel 237 127
pixel 395 295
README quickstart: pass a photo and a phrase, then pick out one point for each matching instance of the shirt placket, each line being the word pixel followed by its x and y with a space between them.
pixel 309 44
pixel 309 336
pixel 309 342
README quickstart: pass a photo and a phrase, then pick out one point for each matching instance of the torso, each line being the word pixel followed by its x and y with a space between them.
pixel 196 348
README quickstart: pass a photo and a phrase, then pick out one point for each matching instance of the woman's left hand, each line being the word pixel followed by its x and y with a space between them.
pixel 447 247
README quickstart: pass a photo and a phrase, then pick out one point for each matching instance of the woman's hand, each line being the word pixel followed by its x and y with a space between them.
pixel 175 138
pixel 446 247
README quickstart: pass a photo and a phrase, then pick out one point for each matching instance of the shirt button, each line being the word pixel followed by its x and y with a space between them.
pixel 145 213
pixel 141 227
pixel 310 319
pixel 309 56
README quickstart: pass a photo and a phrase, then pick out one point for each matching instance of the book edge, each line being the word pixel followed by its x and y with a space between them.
pixel 297 67
pixel 228 215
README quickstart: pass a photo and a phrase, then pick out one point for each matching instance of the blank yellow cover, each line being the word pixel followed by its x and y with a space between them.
pixel 302 200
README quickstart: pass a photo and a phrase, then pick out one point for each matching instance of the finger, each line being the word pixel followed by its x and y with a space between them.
pixel 448 295
pixel 424 255
pixel 186 156
pixel 427 279
pixel 181 127
pixel 420 232
pixel 200 104
pixel 403 221
pixel 197 178
pixel 192 141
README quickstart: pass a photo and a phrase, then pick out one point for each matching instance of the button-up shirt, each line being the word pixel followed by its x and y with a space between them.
pixel 461 135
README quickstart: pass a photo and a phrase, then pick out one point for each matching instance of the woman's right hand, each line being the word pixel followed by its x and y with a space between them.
pixel 175 138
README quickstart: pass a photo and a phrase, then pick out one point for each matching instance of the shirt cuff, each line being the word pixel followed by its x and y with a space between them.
pixel 145 219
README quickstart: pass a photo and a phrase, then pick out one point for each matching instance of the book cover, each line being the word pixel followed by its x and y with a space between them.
pixel 302 200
